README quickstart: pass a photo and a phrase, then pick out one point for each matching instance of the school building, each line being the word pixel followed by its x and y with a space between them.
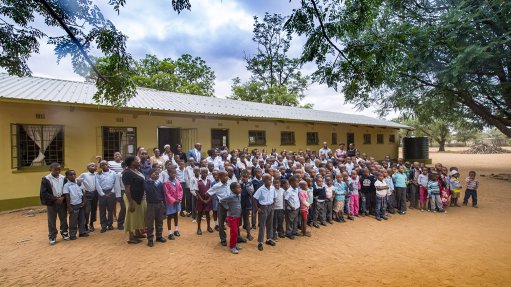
pixel 50 120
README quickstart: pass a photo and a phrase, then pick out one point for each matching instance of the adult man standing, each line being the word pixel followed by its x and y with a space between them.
pixel 196 153
pixel 325 150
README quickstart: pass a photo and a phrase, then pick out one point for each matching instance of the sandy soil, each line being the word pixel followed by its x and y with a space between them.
pixel 465 247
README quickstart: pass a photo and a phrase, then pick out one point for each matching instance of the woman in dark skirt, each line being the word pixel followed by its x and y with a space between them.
pixel 134 199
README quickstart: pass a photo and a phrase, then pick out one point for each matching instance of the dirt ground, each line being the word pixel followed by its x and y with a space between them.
pixel 465 247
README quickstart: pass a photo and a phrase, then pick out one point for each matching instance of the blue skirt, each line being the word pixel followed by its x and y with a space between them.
pixel 172 209
pixel 214 204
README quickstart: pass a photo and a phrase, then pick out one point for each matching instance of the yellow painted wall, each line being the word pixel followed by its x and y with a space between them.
pixel 82 137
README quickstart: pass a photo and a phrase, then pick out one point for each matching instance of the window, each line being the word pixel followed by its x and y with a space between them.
pixel 367 138
pixel 119 139
pixel 350 138
pixel 392 138
pixel 379 138
pixel 312 138
pixel 256 138
pixel 334 138
pixel 36 145
pixel 287 138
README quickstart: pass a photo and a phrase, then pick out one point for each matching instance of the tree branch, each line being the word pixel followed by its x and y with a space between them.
pixel 54 15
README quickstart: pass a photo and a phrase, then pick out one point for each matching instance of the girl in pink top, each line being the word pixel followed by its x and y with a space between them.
pixel 303 196
pixel 173 197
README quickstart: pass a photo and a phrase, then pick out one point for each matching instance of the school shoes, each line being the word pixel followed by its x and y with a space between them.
pixel 110 227
pixel 84 235
pixel 292 237
pixel 234 251
pixel 223 243
pixel 103 230
pixel 161 239
pixel 199 232
pixel 72 238
pixel 250 237
pixel 385 218
pixel 182 214
pixel 270 242
pixel 150 243
pixel 52 241
pixel 120 227
pixel 91 228
pixel 378 218
pixel 210 230
pixel 322 223
pixel 315 225
pixel 260 247
pixel 65 235
pixel 217 228
pixel 171 236
pixel 176 233
pixel 242 240
pixel 330 221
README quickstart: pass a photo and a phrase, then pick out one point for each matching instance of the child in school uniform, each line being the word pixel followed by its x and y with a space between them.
pixel 471 191
pixel 382 190
pixel 247 190
pixel 257 182
pixel 203 200
pixel 265 198
pixel 220 190
pixel 292 204
pixel 106 185
pixel 312 209
pixel 455 184
pixel 340 191
pixel 278 210
pixel 434 193
pixel 155 197
pixel 91 195
pixel 173 197
pixel 423 180
pixel 303 196
pixel 233 203
pixel 213 177
pixel 193 185
pixel 329 192
pixel 391 197
pixel 51 195
pixel 354 183
pixel 75 205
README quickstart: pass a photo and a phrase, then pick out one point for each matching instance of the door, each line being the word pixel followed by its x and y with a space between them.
pixel 169 136
pixel 219 138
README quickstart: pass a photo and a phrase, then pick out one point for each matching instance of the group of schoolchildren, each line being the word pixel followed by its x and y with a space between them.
pixel 284 195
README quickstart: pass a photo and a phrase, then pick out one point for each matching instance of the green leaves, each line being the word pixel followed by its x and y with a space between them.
pixel 276 78
pixel 404 55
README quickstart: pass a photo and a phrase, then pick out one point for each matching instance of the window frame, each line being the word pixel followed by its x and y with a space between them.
pixel 316 138
pixel 348 136
pixel 334 138
pixel 124 153
pixel 293 137
pixel 16 151
pixel 256 142
pixel 380 139
pixel 392 139
pixel 367 138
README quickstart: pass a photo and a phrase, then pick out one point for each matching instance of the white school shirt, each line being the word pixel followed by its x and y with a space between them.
pixel 180 175
pixel 194 185
pixel 74 191
pixel 265 196
pixel 382 192
pixel 279 199
pixel 291 196
pixel 188 175
pixel 89 181
pixel 57 184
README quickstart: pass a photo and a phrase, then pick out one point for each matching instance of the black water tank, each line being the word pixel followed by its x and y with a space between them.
pixel 415 148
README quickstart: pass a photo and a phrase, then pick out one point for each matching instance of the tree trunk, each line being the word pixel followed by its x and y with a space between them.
pixel 501 123
pixel 441 146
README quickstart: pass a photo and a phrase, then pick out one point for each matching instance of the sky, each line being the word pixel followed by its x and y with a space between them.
pixel 218 31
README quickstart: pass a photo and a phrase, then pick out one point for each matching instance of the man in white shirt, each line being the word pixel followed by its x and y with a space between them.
pixel 51 194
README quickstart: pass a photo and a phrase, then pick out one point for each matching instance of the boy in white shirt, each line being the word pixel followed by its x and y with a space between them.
pixel 278 211
pixel 382 190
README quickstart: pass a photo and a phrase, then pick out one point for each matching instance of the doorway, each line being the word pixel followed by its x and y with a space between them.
pixel 219 138
pixel 169 136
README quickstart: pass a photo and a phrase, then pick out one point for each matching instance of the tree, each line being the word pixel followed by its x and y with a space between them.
pixel 85 29
pixel 398 54
pixel 464 133
pixel 187 74
pixel 276 78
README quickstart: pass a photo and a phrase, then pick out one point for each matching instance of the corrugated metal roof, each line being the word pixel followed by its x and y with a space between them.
pixel 62 91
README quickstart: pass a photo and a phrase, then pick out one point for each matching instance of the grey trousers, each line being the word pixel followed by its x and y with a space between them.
pixel 77 220
pixel 246 223
pixel 222 215
pixel 328 205
pixel 319 215
pixel 291 221
pixel 154 219
pixel 278 222
pixel 106 203
pixel 265 222
pixel 254 212
pixel 436 202
pixel 414 196
pixel 55 210
pixel 401 198
pixel 91 207
pixel 122 213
